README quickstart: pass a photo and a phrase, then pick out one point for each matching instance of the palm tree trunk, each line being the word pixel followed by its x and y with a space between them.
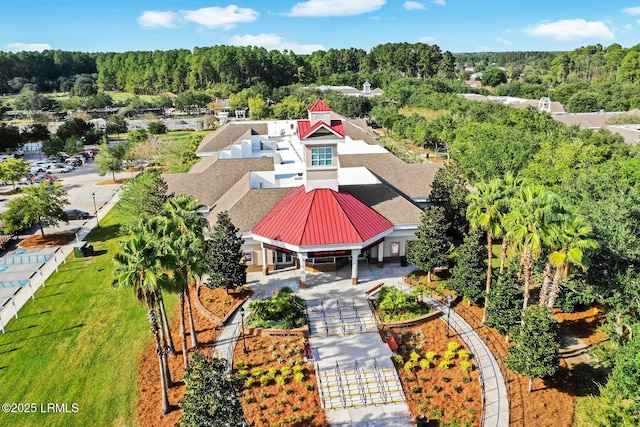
pixel 489 273
pixel 528 270
pixel 192 326
pixel 555 287
pixel 163 379
pixel 530 384
pixel 545 285
pixel 183 331
pixel 503 254
pixel 165 325
pixel 165 361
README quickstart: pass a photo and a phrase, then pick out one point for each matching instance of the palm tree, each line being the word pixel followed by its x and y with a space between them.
pixel 510 184
pixel 138 267
pixel 182 227
pixel 484 213
pixel 527 224
pixel 572 234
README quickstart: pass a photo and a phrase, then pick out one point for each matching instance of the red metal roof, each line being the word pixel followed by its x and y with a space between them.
pixel 319 106
pixel 321 217
pixel 305 129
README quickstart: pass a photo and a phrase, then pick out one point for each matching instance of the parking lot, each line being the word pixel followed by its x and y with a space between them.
pixel 83 186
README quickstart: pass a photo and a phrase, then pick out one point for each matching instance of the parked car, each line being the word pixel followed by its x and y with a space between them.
pixel 73 161
pixel 39 178
pixel 58 168
pixel 76 214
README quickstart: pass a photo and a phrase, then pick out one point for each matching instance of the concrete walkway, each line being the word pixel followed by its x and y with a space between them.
pixel 358 383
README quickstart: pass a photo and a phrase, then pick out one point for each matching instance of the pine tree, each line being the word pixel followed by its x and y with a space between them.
pixel 225 263
pixel 210 399
pixel 467 277
pixel 431 247
pixel 504 305
pixel 535 354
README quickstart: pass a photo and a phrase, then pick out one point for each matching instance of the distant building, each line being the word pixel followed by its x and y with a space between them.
pixel 352 91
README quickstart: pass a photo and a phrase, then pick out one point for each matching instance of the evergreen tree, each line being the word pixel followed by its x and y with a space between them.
pixel 535 354
pixel 210 399
pixel 449 191
pixel 225 263
pixel 467 276
pixel 143 196
pixel 431 247
pixel 504 305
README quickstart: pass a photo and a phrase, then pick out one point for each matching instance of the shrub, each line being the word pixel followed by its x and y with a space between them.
pixel 241 365
pixel 256 372
pixel 298 368
pixel 466 366
pixel 425 364
pixel 463 354
pixel 416 389
pixel 414 357
pixel 431 356
pixel 409 366
pixel 276 411
pixel 310 387
pixel 243 373
pixel 272 372
pixel 285 371
pixel 453 346
pixel 280 380
pixel 265 395
pixel 436 388
pixel 289 391
pixel 399 359
pixel 249 400
pixel 249 382
pixel 295 408
pixel 262 406
pixel 466 380
pixel 264 380
pixel 444 365
pixel 449 355
pixel 300 398
pixel 446 379
pixel 298 377
pixel 457 388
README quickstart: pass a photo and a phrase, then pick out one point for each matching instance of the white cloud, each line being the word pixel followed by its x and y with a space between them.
pixel 504 41
pixel 571 30
pixel 413 5
pixel 220 17
pixel 274 42
pixel 156 18
pixel 632 10
pixel 31 47
pixel 439 2
pixel 629 27
pixel 313 8
pixel 427 39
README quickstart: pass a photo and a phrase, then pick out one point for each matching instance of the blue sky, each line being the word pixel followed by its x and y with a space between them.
pixel 305 26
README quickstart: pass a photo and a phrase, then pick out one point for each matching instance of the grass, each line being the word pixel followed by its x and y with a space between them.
pixel 79 342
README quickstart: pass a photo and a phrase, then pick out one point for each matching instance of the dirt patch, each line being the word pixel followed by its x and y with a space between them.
pixel 37 241
pixel 295 401
pixel 433 389
pixel 219 302
pixel 551 401
pixel 150 404
pixel 112 182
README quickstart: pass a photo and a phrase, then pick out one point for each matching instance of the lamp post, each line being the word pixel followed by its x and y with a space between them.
pixel 244 343
pixel 449 299
pixel 95 208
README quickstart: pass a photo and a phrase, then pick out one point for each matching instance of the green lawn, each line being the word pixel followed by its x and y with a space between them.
pixel 79 342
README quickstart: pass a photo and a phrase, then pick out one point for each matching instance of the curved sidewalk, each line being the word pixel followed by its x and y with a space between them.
pixel 495 398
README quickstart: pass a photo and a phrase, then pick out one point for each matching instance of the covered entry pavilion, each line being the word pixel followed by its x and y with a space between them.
pixel 321 223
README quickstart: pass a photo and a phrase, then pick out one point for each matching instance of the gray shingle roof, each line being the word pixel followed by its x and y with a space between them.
pixel 386 201
pixel 414 180
pixel 228 134
pixel 209 185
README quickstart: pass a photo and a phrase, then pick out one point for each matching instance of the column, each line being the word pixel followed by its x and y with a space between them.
pixel 380 254
pixel 354 266
pixel 265 263
pixel 302 258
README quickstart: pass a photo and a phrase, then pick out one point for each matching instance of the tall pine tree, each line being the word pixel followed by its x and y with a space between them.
pixel 431 247
pixel 225 263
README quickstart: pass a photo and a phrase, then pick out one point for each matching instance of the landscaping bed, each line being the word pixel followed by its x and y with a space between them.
pixel 273 397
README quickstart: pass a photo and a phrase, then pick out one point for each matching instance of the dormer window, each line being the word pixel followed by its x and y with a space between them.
pixel 321 156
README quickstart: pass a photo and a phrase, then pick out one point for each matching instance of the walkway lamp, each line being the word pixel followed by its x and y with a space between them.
pixel 95 208
pixel 244 343
pixel 449 299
